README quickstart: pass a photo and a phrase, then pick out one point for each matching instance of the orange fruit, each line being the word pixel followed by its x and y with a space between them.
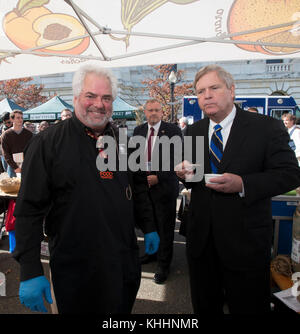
pixel 253 14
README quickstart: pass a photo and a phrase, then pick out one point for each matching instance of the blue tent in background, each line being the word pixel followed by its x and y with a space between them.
pixel 8 105
pixel 48 111
pixel 122 109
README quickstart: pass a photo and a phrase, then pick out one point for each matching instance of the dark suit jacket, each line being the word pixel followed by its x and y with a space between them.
pixel 257 150
pixel 166 191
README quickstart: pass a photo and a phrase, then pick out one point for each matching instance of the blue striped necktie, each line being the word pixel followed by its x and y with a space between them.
pixel 216 149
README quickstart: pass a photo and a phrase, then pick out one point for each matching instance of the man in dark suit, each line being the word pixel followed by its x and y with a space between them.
pixel 163 185
pixel 229 230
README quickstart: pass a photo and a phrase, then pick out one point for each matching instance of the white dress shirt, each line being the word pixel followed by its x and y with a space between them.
pixel 225 131
pixel 226 126
pixel 156 128
pixel 296 138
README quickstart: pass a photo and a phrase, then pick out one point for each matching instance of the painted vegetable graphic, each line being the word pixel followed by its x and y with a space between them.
pixel 30 25
pixel 133 11
pixel 252 14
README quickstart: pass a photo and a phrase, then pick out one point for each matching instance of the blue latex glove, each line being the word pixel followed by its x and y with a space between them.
pixel 32 291
pixel 151 242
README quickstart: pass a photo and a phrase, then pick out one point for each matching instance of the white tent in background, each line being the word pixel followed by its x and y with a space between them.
pixel 52 36
pixel 8 105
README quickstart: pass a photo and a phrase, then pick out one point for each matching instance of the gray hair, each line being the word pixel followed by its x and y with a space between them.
pixel 80 74
pixel 223 75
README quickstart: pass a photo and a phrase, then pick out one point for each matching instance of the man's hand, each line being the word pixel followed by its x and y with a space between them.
pixel 184 170
pixel 151 242
pixel 152 180
pixel 32 291
pixel 227 183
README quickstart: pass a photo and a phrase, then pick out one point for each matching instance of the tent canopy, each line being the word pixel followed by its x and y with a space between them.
pixel 8 105
pixel 49 110
pixel 122 109
pixel 52 36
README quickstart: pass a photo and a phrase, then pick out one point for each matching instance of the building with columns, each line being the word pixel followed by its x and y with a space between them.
pixel 253 77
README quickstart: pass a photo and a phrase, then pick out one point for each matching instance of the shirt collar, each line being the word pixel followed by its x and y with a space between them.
pixel 293 127
pixel 226 121
pixel 155 127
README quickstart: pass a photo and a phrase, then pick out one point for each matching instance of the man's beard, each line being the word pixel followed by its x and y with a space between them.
pixel 98 123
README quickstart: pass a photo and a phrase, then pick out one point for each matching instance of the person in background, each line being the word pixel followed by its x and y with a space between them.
pixel 43 126
pixel 65 114
pixel 229 230
pixel 293 129
pixel 29 126
pixel 14 141
pixel 253 109
pixel 87 214
pixel 163 186
pixel 6 124
pixel 183 122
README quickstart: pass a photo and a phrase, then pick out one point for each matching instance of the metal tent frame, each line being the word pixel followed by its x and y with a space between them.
pixel 152 39
pixel 188 40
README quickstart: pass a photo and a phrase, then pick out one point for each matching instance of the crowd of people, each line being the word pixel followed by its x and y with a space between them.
pixel 90 216
pixel 15 135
